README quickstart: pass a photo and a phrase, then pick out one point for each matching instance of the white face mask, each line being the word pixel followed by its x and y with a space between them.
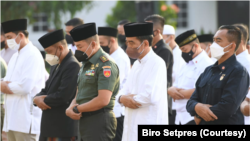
pixel 166 40
pixel 52 59
pixel 12 43
pixel 217 51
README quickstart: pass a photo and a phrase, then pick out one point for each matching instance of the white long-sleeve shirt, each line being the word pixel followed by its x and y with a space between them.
pixel 177 66
pixel 147 79
pixel 186 80
pixel 27 76
pixel 123 63
pixel 244 59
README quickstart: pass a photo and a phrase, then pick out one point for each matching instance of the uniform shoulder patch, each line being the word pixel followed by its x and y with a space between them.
pixel 104 58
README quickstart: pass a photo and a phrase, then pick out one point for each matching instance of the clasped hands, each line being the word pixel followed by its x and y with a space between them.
pixel 175 93
pixel 128 101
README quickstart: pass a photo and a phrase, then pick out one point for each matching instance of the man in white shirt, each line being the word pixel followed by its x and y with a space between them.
pixel 144 93
pixel 196 61
pixel 24 79
pixel 206 41
pixel 169 38
pixel 6 52
pixel 243 57
pixel 69 26
pixel 108 42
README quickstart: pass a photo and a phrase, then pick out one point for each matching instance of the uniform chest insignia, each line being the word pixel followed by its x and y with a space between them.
pixel 104 59
pixel 90 73
pixel 97 65
pixel 92 66
pixel 107 71
pixel 222 76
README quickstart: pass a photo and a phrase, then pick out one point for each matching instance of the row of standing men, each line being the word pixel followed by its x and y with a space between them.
pixel 86 94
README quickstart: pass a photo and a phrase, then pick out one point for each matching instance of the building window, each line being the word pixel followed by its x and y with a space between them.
pixel 182 19
pixel 41 22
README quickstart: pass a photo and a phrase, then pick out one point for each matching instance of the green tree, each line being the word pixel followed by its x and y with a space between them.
pixel 127 10
pixel 25 9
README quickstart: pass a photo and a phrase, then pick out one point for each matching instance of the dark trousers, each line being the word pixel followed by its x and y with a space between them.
pixel 99 125
pixel 171 118
pixel 119 129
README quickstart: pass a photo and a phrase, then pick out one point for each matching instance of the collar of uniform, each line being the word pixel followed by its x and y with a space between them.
pixel 26 47
pixel 146 57
pixel 225 64
pixel 159 45
pixel 199 57
pixel 96 56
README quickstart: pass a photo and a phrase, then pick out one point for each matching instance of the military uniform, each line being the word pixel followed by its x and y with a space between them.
pixel 98 73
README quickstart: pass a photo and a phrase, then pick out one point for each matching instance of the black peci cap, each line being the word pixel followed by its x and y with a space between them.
pixel 83 31
pixel 185 38
pixel 14 25
pixel 51 38
pixel 107 31
pixel 138 29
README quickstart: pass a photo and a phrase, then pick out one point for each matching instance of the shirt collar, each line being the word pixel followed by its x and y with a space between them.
pixel 225 64
pixel 26 47
pixel 199 57
pixel 243 54
pixel 146 57
pixel 96 56
pixel 67 57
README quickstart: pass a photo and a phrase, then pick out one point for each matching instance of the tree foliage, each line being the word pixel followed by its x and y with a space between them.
pixel 127 10
pixel 25 9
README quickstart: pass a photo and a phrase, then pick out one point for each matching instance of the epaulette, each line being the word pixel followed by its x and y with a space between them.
pixel 104 58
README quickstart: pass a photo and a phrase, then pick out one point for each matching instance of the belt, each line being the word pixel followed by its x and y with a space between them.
pixel 95 112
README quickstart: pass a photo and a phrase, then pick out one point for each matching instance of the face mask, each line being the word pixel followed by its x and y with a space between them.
pixel 132 52
pixel 166 40
pixel 188 56
pixel 69 39
pixel 121 38
pixel 12 43
pixel 82 56
pixel 2 44
pixel 106 48
pixel 52 59
pixel 217 51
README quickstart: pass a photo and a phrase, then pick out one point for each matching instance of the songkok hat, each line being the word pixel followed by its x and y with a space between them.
pixel 14 25
pixel 51 38
pixel 107 31
pixel 83 31
pixel 205 38
pixel 138 29
pixel 185 38
pixel 168 30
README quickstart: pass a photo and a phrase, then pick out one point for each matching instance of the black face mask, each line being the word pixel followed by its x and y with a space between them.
pixel 121 38
pixel 69 39
pixel 2 44
pixel 188 56
pixel 81 56
pixel 106 49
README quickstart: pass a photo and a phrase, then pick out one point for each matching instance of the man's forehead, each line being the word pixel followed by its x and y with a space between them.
pixel 220 33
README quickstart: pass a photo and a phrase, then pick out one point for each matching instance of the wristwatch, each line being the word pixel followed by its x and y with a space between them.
pixel 76 110
pixel 119 100
pixel 197 116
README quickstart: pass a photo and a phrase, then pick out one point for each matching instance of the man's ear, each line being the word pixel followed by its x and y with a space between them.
pixel 146 43
pixel 61 47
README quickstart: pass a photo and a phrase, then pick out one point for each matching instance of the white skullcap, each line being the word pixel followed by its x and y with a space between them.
pixel 168 29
